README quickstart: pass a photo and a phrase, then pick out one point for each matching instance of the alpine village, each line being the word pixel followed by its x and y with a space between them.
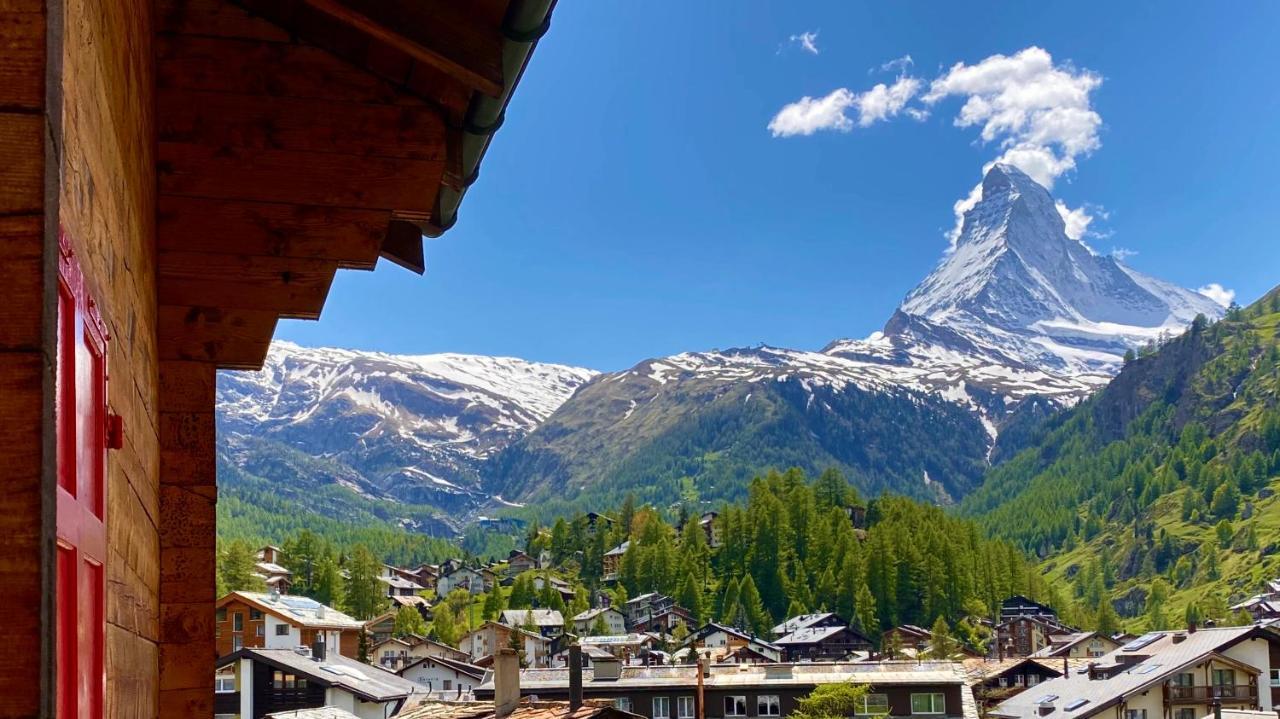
pixel 972 513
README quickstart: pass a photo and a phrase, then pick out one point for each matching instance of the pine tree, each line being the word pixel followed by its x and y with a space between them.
pixel 1106 621
pixel 598 626
pixel 941 645
pixel 443 628
pixel 408 621
pixel 729 601
pixel 752 608
pixel 492 607
pixel 327 582
pixel 237 570
pixel 364 596
pixel 690 597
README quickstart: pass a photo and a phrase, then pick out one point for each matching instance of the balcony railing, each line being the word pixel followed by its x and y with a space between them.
pixel 1205 694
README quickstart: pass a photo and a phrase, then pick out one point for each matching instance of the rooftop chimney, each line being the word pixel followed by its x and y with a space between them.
pixel 575 677
pixel 506 682
pixel 317 648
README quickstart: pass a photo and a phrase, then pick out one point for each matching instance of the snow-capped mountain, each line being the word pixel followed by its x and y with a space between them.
pixel 412 428
pixel 1016 320
pixel 1016 290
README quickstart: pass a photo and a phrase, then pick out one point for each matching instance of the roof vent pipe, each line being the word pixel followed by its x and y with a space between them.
pixel 575 677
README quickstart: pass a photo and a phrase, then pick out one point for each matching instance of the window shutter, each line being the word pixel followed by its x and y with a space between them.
pixel 81 417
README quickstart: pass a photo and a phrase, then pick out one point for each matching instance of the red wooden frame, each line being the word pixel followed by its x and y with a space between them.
pixel 82 418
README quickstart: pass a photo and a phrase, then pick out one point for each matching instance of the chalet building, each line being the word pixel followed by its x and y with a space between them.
pixel 519 562
pixel 1170 674
pixel 1026 636
pixel 822 644
pixel 995 681
pixel 590 656
pixel 908 639
pixel 665 620
pixel 612 619
pixel 175 176
pixel 1020 606
pixel 484 641
pixel 254 620
pixel 624 647
pixel 710 530
pixel 267 681
pixel 269 568
pixel 611 562
pixel 1078 645
pixel 418 602
pixel 424 575
pixel 462 578
pixel 396 652
pixel 722 640
pixel 549 622
pixel 1263 607
pixel 564 588
pixel 643 606
pixel 896 689
pixel 382 627
pixel 396 584
pixel 808 621
pixel 597 521
pixel 444 679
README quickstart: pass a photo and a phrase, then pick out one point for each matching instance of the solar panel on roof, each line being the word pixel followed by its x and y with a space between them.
pixel 1146 669
pixel 1047 699
pixel 1140 642
pixel 1076 704
pixel 299 602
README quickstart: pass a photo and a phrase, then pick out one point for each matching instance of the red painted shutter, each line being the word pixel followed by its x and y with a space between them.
pixel 81 413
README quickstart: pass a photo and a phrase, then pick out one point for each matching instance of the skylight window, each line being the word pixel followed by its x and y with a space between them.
pixel 1140 642
pixel 1047 699
pixel 1146 669
pixel 1076 704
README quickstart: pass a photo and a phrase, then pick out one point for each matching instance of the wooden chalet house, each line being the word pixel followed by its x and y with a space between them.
pixel 175 176
pixel 273 621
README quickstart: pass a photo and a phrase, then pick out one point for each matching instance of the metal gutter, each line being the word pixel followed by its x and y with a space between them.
pixel 525 23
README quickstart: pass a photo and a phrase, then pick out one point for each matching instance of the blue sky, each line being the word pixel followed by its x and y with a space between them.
pixel 635 204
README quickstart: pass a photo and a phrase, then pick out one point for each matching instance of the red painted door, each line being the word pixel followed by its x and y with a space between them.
pixel 81 416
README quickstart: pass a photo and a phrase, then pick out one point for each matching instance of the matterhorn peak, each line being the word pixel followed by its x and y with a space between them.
pixel 1017 286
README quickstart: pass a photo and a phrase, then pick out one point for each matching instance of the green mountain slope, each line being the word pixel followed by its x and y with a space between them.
pixel 1162 484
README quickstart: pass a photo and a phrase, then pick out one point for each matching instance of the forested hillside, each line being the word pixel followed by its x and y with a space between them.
pixel 1157 494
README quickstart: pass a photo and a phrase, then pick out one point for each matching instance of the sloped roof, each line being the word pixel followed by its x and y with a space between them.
pixel 1159 656
pixel 812 635
pixel 317 713
pixel 366 681
pixel 802 621
pixel 526 709
pixel 302 611
pixel 470 670
pixel 593 613
pixel 539 617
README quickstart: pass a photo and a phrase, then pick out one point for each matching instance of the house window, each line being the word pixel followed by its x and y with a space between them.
pixel 735 706
pixel 1275 678
pixel 237 622
pixel 873 705
pixel 1185 713
pixel 1224 677
pixel 260 631
pixel 220 614
pixel 931 703
pixel 661 708
pixel 282 630
pixel 237 643
pixel 1184 679
pixel 80 413
pixel 1135 714
pixel 448 684
pixel 255 614
pixel 224 683
pixel 767 705
pixel 623 703
pixel 1033 679
pixel 1004 682
pixel 684 708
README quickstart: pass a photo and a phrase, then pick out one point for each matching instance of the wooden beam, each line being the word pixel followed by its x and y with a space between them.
pixel 219 119
pixel 229 339
pixel 255 67
pixel 290 287
pixel 349 237
pixel 305 178
pixel 22 55
pixel 215 18
pixel 440 36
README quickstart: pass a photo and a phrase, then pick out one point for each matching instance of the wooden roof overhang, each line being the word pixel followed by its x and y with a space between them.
pixel 299 137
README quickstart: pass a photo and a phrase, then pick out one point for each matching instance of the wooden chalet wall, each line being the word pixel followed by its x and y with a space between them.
pixel 213 164
pixel 25 364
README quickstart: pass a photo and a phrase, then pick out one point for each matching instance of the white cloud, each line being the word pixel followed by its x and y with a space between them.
pixel 809 115
pixel 1037 112
pixel 899 65
pixel 1122 253
pixel 808 41
pixel 1076 221
pixel 1218 293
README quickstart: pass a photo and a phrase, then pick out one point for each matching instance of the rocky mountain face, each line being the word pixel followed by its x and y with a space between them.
pixel 1017 321
pixel 413 429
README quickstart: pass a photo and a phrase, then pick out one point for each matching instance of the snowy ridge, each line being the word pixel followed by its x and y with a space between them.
pixel 414 426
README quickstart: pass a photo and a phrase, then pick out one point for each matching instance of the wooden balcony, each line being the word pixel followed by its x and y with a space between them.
pixel 1244 693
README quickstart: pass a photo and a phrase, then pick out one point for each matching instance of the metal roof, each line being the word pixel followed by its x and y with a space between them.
pixel 1149 664
pixel 802 621
pixel 299 610
pixel 364 680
